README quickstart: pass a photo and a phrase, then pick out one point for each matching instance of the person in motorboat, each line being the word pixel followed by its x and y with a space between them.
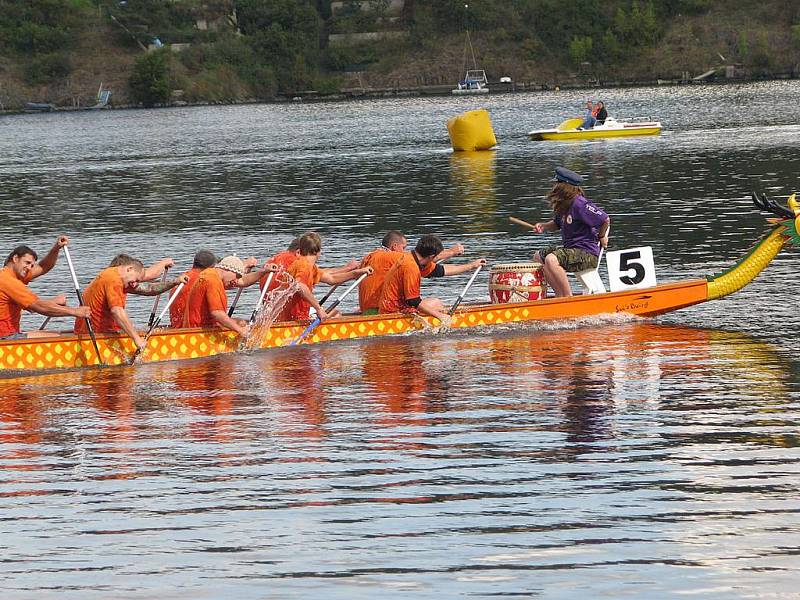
pixel 584 228
pixel 21 267
pixel 401 287
pixel 589 118
pixel 381 260
pixel 602 113
pixel 207 302
pixel 306 273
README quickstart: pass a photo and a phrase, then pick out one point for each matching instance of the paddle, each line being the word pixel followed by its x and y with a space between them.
pixel 336 303
pixel 80 302
pixel 43 325
pixel 464 293
pixel 329 294
pixel 236 299
pixel 264 290
pixel 521 222
pixel 157 321
pixel 155 302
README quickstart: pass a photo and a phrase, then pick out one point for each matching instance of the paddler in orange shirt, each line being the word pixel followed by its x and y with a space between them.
pixel 382 260
pixel 207 302
pixel 307 274
pixel 203 260
pixel 401 287
pixel 106 296
pixel 18 271
pixel 283 260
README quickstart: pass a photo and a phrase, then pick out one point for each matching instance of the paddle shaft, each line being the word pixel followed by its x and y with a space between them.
pixel 466 289
pixel 157 322
pixel 264 291
pixel 236 299
pixel 336 303
pixel 155 302
pixel 521 222
pixel 80 302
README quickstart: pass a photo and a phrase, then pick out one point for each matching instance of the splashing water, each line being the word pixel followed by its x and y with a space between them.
pixel 272 306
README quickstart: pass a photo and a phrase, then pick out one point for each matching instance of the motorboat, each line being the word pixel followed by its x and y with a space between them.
pixel 571 129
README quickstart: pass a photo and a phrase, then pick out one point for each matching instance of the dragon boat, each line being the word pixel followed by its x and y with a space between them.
pixel 569 130
pixel 23 357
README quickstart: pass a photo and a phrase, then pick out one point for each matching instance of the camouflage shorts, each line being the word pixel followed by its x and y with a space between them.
pixel 572 260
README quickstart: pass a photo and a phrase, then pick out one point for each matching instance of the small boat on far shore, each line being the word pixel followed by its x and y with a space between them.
pixel 39 107
pixel 570 130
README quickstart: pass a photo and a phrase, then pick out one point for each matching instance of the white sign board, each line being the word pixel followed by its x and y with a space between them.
pixel 630 269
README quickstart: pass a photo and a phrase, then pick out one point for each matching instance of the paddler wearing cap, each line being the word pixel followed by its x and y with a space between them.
pixel 207 302
pixel 584 228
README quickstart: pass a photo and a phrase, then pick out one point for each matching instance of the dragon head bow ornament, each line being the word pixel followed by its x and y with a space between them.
pixel 788 218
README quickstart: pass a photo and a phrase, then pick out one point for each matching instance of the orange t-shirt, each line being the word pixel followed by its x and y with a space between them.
pixel 178 307
pixel 402 282
pixel 14 296
pixel 369 292
pixel 303 271
pixel 106 291
pixel 207 295
pixel 284 260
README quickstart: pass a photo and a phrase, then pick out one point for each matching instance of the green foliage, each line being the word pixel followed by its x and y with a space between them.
pixel 796 35
pixel 150 81
pixel 284 34
pixel 40 26
pixel 46 67
pixel 580 49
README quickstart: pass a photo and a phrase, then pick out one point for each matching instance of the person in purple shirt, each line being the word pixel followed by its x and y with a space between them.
pixel 584 228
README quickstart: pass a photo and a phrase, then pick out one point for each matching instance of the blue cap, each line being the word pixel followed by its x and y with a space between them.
pixel 566 176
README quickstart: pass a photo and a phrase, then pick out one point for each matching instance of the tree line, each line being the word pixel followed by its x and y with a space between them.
pixel 260 48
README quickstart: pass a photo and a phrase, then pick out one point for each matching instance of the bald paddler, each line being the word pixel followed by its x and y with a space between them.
pixel 401 287
pixel 381 260
pixel 20 268
pixel 584 229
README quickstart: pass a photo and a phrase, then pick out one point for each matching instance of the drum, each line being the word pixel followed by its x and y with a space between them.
pixel 517 282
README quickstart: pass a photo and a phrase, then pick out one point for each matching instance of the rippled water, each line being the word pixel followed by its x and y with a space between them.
pixel 609 458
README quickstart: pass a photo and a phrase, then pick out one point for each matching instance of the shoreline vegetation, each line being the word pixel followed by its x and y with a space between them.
pixel 148 53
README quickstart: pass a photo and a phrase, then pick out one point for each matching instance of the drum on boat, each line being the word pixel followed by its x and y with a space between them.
pixel 517 282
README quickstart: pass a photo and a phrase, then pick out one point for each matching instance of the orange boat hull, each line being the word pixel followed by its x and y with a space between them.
pixel 71 351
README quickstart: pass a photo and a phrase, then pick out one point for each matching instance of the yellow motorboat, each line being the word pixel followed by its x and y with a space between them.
pixel 570 130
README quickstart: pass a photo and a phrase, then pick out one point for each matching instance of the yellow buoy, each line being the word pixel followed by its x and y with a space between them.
pixel 471 131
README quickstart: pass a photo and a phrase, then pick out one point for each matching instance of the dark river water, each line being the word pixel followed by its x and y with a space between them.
pixel 603 458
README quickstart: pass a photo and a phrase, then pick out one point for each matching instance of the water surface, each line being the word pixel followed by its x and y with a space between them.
pixel 610 457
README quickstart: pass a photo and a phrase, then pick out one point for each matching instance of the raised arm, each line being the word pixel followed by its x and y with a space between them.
pixel 155 289
pixel 155 270
pixel 458 269
pixel 337 277
pixel 49 261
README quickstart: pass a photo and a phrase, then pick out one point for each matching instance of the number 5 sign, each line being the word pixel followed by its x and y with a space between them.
pixel 632 268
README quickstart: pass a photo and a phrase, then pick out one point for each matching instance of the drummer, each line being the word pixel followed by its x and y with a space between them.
pixel 584 229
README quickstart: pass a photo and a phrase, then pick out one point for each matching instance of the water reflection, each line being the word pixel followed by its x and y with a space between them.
pixel 472 177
